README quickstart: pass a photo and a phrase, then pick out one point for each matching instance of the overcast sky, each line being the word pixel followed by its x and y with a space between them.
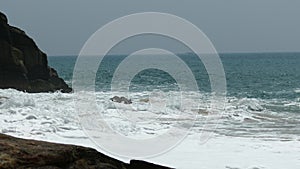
pixel 61 27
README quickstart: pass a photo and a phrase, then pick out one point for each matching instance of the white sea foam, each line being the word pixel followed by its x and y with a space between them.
pixel 297 90
pixel 249 128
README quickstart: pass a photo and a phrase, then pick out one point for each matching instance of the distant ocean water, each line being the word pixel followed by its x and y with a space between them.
pixel 251 75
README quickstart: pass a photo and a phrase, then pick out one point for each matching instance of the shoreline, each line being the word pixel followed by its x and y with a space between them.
pixel 23 153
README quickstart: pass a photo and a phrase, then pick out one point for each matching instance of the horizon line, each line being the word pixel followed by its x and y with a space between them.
pixel 182 53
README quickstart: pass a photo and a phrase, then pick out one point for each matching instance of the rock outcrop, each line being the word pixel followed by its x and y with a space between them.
pixel 31 154
pixel 23 65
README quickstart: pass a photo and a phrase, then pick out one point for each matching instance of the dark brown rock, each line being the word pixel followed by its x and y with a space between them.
pixel 145 165
pixel 23 65
pixel 31 154
pixel 19 153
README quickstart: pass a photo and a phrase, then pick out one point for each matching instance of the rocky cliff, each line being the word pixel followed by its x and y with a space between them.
pixel 31 154
pixel 23 65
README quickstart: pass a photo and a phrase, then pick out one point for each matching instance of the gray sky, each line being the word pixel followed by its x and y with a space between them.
pixel 61 27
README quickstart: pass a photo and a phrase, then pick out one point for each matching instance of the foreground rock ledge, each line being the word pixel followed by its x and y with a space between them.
pixel 21 153
pixel 23 66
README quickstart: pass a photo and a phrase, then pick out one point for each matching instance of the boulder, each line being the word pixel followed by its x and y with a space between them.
pixel 23 66
pixel 32 154
pixel 121 100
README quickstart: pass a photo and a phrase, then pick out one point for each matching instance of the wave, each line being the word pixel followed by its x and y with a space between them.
pixel 151 114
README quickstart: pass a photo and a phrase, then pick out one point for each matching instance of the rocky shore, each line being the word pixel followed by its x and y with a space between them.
pixel 23 66
pixel 32 154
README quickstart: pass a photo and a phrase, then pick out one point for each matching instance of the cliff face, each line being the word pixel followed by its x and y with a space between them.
pixel 23 65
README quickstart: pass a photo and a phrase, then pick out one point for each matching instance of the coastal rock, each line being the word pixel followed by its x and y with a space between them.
pixel 121 100
pixel 21 153
pixel 137 164
pixel 23 66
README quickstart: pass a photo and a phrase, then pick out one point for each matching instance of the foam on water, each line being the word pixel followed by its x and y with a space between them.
pixel 52 117
pixel 44 113
pixel 297 90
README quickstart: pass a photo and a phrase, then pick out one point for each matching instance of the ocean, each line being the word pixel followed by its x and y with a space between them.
pixel 250 75
pixel 260 121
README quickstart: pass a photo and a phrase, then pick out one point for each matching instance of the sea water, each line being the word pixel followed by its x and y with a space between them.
pixel 259 126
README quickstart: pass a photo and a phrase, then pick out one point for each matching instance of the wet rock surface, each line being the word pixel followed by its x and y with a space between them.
pixel 121 100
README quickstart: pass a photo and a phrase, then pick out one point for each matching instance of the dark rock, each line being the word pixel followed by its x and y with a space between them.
pixel 21 153
pixel 31 117
pixel 23 65
pixel 145 165
pixel 121 100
